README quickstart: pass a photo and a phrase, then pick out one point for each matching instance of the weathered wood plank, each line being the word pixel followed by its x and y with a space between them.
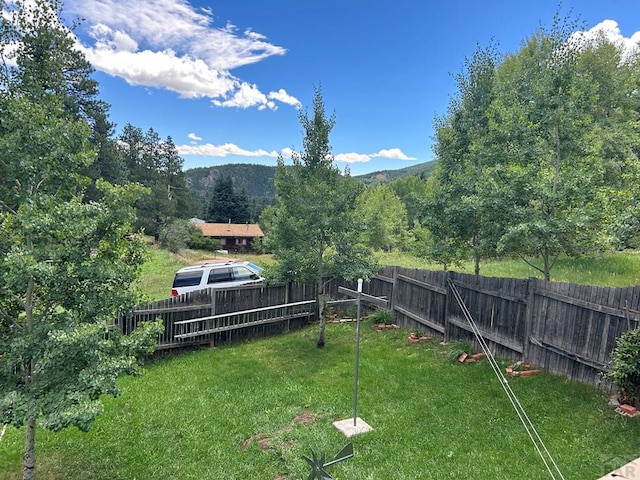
pixel 592 306
pixel 423 321
pixel 505 342
pixel 419 283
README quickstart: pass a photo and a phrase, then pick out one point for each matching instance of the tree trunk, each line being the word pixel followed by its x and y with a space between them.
pixel 321 301
pixel 547 265
pixel 476 260
pixel 29 457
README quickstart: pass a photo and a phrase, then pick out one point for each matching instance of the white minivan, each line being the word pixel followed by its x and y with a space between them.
pixel 215 275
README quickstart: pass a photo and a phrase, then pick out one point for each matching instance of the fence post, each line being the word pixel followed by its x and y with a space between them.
pixel 447 295
pixel 392 300
pixel 528 318
pixel 287 289
pixel 212 292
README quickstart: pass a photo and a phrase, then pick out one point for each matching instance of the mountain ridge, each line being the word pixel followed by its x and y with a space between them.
pixel 257 181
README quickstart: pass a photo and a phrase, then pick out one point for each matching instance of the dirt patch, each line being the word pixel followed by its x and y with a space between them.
pixel 304 418
pixel 265 441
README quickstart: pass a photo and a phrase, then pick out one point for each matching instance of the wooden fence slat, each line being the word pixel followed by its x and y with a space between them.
pixel 489 336
pixel 423 321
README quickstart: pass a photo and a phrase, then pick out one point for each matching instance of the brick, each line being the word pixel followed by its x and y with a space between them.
pixel 628 409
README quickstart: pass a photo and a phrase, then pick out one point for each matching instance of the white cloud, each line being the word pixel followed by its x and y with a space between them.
pixel 282 96
pixel 394 153
pixel 352 157
pixel 210 150
pixel 610 30
pixel 247 96
pixel 194 137
pixel 287 152
pixel 170 44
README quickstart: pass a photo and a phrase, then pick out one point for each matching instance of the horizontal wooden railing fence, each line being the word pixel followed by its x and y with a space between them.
pixel 565 328
pixel 214 316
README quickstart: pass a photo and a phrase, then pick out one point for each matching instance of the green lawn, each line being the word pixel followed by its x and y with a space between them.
pixel 616 269
pixel 252 410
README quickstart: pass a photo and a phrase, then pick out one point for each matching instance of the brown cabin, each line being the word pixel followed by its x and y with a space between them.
pixel 233 236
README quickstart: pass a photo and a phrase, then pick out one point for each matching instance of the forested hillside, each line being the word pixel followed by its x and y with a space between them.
pixel 258 180
pixel 382 177
pixel 255 180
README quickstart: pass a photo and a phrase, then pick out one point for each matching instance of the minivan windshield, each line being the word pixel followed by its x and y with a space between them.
pixel 254 267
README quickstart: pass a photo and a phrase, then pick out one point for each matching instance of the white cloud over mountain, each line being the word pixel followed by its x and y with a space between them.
pixel 210 150
pixel 392 153
pixel 171 45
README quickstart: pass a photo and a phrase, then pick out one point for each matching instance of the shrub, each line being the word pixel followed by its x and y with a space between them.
pixel 458 347
pixel 624 369
pixel 174 235
pixel 381 316
pixel 197 241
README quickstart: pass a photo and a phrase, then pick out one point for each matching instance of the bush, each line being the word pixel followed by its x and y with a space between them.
pixel 624 369
pixel 174 235
pixel 197 241
pixel 381 316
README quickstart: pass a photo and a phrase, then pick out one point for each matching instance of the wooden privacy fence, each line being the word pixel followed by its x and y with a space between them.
pixel 213 315
pixel 565 328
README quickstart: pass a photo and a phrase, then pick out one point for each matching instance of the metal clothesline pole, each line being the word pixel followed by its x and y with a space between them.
pixel 355 385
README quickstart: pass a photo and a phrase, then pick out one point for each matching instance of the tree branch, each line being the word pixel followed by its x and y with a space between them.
pixel 522 257
pixel 8 208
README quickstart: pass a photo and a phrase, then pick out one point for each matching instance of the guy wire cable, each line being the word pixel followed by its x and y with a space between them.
pixel 537 441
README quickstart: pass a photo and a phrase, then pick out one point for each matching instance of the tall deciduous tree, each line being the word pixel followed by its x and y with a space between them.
pixel 411 190
pixel 314 229
pixel 560 133
pixel 457 215
pixel 384 218
pixel 65 264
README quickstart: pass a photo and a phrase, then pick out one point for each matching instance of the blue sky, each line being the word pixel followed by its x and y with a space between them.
pixel 226 79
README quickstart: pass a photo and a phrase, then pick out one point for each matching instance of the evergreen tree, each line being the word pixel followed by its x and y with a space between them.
pixel 226 204
pixel 157 165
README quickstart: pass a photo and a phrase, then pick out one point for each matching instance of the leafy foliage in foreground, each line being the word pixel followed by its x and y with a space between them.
pixel 624 370
pixel 66 264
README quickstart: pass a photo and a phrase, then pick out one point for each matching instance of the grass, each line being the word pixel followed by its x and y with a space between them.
pixel 617 269
pixel 235 412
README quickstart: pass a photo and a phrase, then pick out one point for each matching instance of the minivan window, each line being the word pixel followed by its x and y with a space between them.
pixel 242 273
pixel 187 279
pixel 218 275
